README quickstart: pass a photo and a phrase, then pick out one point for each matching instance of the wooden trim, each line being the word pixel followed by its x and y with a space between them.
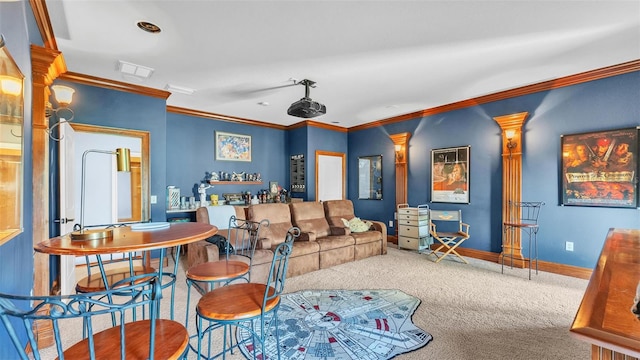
pixel 46 66
pixel 316 124
pixel 145 169
pixel 344 169
pixel 570 80
pixel 402 164
pixel 220 117
pixel 547 266
pixel 114 85
pixel 512 183
pixel 41 15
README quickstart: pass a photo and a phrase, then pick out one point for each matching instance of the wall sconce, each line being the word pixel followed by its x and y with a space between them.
pixel 10 85
pixel 510 134
pixel 64 96
pixel 399 152
pixel 123 159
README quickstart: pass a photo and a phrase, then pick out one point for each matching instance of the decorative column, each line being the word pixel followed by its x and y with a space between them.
pixel 46 65
pixel 511 126
pixel 400 143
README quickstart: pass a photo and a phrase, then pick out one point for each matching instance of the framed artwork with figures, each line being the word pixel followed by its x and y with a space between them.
pixel 450 175
pixel 233 147
pixel 600 168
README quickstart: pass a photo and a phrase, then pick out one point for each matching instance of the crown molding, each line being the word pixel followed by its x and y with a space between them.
pixel 41 15
pixel 579 78
pixel 214 116
pixel 316 124
pixel 114 85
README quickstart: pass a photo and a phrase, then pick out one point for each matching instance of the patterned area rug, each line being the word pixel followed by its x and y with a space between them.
pixel 342 324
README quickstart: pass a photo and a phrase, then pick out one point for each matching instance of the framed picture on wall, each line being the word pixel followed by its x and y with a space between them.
pixel 233 147
pixel 600 168
pixel 450 175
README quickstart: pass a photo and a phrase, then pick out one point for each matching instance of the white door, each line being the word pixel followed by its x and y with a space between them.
pixel 330 176
pixel 67 204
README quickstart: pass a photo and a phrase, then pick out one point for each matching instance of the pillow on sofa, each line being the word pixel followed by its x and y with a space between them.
pixel 357 225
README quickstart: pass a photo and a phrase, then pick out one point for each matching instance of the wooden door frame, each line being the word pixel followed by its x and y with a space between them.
pixel 344 169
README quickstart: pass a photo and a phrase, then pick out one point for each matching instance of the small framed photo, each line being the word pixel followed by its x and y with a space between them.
pixel 600 168
pixel 273 187
pixel 450 175
pixel 233 147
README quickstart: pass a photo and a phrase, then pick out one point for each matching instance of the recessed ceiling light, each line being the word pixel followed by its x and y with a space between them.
pixel 179 89
pixel 149 27
pixel 263 103
pixel 335 122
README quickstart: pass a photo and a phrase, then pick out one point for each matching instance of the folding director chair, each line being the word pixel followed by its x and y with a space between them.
pixel 449 235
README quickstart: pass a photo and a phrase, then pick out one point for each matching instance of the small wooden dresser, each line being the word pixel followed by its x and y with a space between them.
pixel 413 227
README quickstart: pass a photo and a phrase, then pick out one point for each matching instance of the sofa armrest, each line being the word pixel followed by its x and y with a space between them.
pixel 340 230
pixel 201 252
pixel 307 236
pixel 380 226
pixel 263 244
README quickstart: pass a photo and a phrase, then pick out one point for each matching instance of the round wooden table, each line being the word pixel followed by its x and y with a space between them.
pixel 125 240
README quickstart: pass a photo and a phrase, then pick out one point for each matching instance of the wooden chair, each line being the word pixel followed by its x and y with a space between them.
pixel 242 236
pixel 145 339
pixel 240 304
pixel 447 228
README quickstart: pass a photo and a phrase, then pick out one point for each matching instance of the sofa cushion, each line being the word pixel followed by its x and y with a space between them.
pixel 336 210
pixel 335 242
pixel 279 218
pixel 309 217
pixel 366 237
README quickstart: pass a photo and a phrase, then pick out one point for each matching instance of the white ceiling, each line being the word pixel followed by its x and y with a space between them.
pixel 371 59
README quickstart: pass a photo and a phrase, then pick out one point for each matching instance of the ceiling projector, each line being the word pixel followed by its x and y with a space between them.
pixel 305 107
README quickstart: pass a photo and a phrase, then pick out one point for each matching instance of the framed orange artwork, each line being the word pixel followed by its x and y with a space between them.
pixel 450 175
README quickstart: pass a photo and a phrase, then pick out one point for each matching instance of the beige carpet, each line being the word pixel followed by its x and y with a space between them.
pixel 472 311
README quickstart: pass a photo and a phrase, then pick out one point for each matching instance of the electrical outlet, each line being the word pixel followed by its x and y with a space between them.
pixel 154 199
pixel 390 223
pixel 568 246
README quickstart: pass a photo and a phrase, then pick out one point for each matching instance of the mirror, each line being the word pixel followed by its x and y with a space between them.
pixel 370 177
pixel 11 164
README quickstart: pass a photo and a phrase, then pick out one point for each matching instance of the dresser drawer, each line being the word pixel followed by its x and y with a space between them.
pixel 413 243
pixel 413 231
pixel 413 221
pixel 413 211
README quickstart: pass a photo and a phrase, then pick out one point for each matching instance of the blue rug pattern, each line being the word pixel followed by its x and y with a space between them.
pixel 341 324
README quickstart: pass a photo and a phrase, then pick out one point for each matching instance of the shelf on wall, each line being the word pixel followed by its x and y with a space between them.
pixel 173 211
pixel 235 182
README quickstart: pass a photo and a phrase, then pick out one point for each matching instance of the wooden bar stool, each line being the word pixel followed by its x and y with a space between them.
pixel 523 217
pixel 152 338
pixel 240 246
pixel 239 304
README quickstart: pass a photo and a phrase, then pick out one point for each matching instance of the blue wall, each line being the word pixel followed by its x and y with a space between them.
pixel 190 149
pixel 609 103
pixel 111 108
pixel 16 256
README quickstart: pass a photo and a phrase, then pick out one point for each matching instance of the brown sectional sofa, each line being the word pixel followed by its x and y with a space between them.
pixel 324 239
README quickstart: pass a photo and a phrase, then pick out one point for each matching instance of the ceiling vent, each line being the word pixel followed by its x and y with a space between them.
pixel 305 107
pixel 139 71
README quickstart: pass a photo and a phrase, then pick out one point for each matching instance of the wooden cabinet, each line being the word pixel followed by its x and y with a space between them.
pixel 413 227
pixel 604 318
